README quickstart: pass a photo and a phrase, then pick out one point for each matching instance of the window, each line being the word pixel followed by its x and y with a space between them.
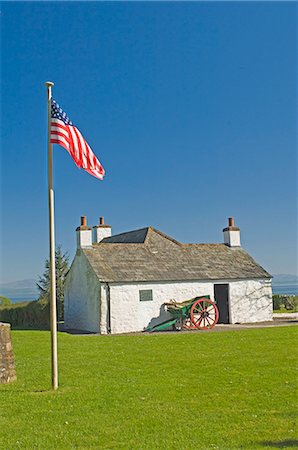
pixel 146 295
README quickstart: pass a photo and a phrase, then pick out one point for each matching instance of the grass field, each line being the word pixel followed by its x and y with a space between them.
pixel 228 390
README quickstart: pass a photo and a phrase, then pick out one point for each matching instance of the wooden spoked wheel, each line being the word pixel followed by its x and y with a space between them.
pixel 204 314
pixel 188 325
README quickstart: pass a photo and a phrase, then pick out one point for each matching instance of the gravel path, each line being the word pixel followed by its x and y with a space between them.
pixel 283 316
pixel 286 321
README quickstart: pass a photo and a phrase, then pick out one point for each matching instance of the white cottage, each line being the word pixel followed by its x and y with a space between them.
pixel 118 284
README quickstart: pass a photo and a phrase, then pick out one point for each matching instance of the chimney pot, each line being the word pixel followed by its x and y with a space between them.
pixel 101 221
pixel 231 222
pixel 83 221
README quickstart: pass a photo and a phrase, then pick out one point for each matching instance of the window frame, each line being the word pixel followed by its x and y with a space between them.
pixel 148 292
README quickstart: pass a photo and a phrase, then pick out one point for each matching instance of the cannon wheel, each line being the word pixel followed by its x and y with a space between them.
pixel 183 324
pixel 204 314
pixel 187 324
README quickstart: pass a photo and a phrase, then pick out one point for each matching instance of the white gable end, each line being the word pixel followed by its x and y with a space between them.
pixel 82 296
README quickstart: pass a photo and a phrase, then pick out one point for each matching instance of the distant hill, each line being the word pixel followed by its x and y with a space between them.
pixel 20 284
pixel 20 290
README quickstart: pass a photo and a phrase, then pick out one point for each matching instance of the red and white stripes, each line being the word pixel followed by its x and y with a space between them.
pixel 71 139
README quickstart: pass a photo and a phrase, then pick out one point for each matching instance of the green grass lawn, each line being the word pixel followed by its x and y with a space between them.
pixel 202 390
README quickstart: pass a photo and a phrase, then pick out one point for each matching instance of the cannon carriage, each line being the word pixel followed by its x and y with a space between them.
pixel 197 313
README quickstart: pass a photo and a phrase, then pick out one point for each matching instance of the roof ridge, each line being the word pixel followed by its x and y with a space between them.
pixel 130 244
pixel 149 230
pixel 152 229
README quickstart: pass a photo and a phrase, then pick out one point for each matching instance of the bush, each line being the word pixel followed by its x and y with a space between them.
pixel 291 302
pixel 288 302
pixel 27 314
pixel 4 301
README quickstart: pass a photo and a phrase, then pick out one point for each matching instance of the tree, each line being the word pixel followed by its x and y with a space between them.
pixel 62 267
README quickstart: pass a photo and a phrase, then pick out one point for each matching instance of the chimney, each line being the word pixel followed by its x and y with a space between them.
pixel 84 234
pixel 101 231
pixel 232 234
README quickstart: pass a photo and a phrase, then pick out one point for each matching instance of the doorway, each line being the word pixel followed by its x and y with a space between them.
pixel 221 296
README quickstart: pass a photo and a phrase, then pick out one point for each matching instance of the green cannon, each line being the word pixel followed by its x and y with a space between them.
pixel 197 313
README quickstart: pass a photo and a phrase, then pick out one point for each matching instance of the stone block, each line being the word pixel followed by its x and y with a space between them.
pixel 7 364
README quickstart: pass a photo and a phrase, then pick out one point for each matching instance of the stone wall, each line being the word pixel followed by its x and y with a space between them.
pixel 7 366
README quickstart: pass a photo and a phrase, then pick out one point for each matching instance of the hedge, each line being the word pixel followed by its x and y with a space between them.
pixel 27 314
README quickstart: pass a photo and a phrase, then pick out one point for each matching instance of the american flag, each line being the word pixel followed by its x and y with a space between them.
pixel 68 136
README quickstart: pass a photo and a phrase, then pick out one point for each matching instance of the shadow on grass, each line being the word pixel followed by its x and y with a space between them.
pixel 37 327
pixel 280 444
pixel 44 391
pixel 26 391
pixel 29 328
pixel 74 331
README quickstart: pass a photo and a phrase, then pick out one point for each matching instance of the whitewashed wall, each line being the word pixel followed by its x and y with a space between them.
pixel 104 308
pixel 249 301
pixel 82 296
pixel 129 314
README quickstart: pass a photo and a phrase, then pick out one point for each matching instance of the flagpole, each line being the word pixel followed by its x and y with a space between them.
pixel 53 308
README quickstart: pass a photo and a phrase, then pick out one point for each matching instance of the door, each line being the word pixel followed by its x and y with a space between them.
pixel 221 296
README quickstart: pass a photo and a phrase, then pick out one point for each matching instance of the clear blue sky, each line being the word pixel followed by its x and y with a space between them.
pixel 190 107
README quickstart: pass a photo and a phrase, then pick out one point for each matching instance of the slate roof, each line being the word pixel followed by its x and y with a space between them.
pixel 131 237
pixel 149 255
